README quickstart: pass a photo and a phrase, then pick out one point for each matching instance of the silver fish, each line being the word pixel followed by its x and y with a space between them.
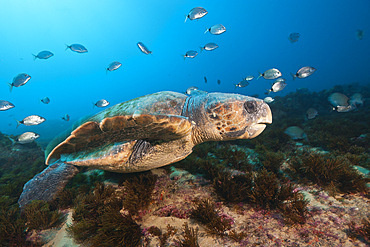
pixel 45 100
pixel 338 99
pixel 30 120
pixel 190 90
pixel 27 137
pixel 216 29
pixel 268 99
pixel 277 86
pixel 101 103
pixel 190 54
pixel 209 47
pixel 43 55
pixel 293 37
pixel 303 72
pixel 143 48
pixel 356 98
pixel 196 13
pixel 348 108
pixel 77 48
pixel 296 133
pixel 360 34
pixel 311 113
pixel 5 105
pixel 19 80
pixel 242 83
pixel 113 66
pixel 65 117
pixel 270 74
pixel 249 78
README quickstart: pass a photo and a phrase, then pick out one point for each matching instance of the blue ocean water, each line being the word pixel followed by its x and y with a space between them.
pixel 255 40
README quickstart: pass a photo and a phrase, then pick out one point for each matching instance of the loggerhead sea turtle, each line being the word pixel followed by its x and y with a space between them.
pixel 145 133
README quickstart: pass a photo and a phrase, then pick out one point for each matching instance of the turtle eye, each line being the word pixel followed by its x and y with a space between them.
pixel 250 106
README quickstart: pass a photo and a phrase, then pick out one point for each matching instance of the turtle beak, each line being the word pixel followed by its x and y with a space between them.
pixel 265 117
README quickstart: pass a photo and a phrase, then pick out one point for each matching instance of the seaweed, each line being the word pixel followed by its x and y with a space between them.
pixel 39 216
pixel 295 211
pixel 138 192
pixel 265 190
pixel 163 237
pixel 205 212
pixel 327 171
pixel 361 232
pixel 13 228
pixel 189 237
pixel 271 161
pixel 237 236
pixel 233 189
pixel 97 220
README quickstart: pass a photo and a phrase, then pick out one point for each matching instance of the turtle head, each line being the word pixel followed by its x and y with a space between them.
pixel 232 116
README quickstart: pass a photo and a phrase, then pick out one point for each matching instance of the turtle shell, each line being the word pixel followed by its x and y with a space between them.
pixel 151 117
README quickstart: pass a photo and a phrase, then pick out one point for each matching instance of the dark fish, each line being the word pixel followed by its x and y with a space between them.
pixel 143 48
pixel 348 108
pixel 311 113
pixel 196 13
pixel 190 90
pixel 190 54
pixel 270 74
pixel 5 105
pixel 27 137
pixel 77 48
pixel 45 100
pixel 65 117
pixel 205 79
pixel 43 55
pixel 293 37
pixel 278 85
pixel 303 72
pixel 255 95
pixel 101 103
pixel 19 80
pixel 218 81
pixel 242 83
pixel 296 133
pixel 30 120
pixel 360 34
pixel 216 29
pixel 249 78
pixel 209 47
pixel 338 99
pixel 113 66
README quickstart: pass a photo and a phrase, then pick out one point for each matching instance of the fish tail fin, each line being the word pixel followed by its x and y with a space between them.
pixel 207 29
pixel 18 122
pixel 10 86
pixel 236 85
pixel 294 76
pixel 93 105
pixel 268 91
pixel 259 75
pixel 106 71
pixel 186 17
pixel 67 47
pixel 201 49
pixel 34 57
pixel 183 57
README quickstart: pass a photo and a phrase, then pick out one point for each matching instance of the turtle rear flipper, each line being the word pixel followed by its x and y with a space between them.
pixel 45 185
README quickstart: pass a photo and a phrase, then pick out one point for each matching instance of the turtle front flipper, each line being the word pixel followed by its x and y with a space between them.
pixel 45 185
pixel 93 136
